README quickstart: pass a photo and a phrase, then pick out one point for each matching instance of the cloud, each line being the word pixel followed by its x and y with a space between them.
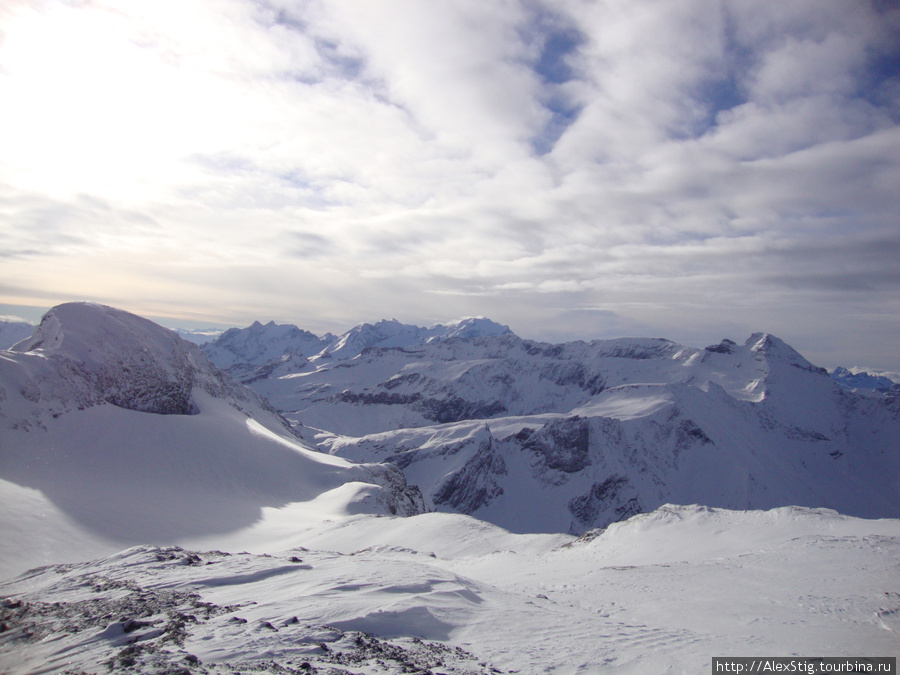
pixel 680 166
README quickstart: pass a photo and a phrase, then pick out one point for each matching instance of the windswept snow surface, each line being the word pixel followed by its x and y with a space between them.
pixel 660 593
pixel 114 432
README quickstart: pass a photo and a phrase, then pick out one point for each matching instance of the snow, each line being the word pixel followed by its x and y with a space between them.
pixel 856 378
pixel 476 327
pixel 628 402
pixel 211 538
pixel 634 447
pixel 83 454
pixel 565 438
pixel 122 477
pixel 662 592
pixel 262 351
pixel 13 330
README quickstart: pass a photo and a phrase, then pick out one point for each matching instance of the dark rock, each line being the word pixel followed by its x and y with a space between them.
pixel 473 486
pixel 131 625
pixel 606 497
pixel 562 443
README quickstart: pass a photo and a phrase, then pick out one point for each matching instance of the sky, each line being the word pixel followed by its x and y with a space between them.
pixel 688 169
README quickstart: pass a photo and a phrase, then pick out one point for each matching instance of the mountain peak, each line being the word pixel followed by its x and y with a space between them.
pixel 243 351
pixel 93 333
pixel 472 327
pixel 773 348
pixel 100 354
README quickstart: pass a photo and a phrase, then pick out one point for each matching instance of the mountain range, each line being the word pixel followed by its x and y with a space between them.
pixel 13 331
pixel 445 500
pixel 539 437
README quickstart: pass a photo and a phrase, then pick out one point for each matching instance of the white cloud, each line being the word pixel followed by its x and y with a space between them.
pixel 682 164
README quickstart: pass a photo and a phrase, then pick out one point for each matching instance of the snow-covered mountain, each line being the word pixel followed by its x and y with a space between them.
pixel 251 552
pixel 114 431
pixel 13 331
pixel 537 437
pixel 860 379
pixel 260 351
pixel 272 350
pixel 393 334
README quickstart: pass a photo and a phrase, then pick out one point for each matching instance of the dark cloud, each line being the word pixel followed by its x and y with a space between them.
pixel 308 245
pixel 847 266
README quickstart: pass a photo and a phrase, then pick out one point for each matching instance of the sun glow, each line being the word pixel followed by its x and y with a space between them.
pixel 96 110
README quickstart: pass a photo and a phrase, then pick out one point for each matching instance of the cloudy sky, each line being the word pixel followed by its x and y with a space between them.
pixel 690 169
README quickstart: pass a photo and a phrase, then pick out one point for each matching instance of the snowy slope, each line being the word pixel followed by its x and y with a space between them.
pixel 115 431
pixel 550 438
pixel 660 593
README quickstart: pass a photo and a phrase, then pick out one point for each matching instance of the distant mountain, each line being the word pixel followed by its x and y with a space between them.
pixel 198 336
pixel 862 380
pixel 271 350
pixel 264 350
pixel 393 334
pixel 538 437
pixel 12 332
pixel 115 431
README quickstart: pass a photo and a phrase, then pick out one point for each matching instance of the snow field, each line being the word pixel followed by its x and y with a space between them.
pixel 662 592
